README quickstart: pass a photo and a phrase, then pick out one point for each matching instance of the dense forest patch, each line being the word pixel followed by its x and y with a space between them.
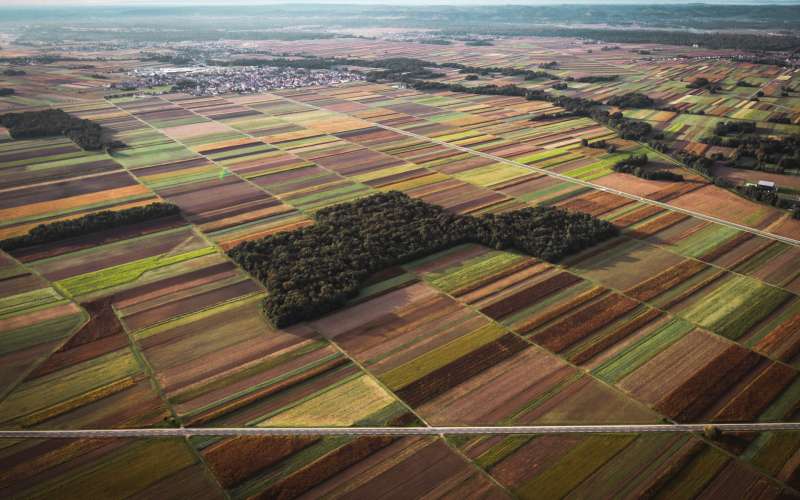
pixel 317 269
pixel 92 223
pixel 632 100
pixel 85 133
pixel 633 165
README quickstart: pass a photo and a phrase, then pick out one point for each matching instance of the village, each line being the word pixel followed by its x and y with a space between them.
pixel 217 80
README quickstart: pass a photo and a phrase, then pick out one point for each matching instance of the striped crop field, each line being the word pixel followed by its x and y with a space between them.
pixel 688 312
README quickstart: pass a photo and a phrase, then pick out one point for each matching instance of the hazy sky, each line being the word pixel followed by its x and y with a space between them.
pixel 26 3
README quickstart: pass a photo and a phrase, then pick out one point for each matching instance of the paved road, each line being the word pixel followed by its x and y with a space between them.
pixel 389 431
pixel 565 178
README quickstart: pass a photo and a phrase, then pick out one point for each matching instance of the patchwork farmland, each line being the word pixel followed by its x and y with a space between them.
pixel 690 313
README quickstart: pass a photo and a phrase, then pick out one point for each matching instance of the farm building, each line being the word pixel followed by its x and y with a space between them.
pixel 767 185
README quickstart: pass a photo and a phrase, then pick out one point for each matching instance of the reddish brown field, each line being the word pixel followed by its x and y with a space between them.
pixel 674 190
pixel 234 460
pixel 726 247
pixel 577 326
pixel 650 228
pixel 783 343
pixel 755 398
pixel 486 287
pixel 629 184
pixel 673 366
pixel 37 252
pixel 530 295
pixel 700 391
pixel 534 322
pixel 187 302
pixel 616 336
pixel 670 470
pixel 534 458
pixel 718 202
pixel 596 203
pixel 412 467
pixel 637 215
pixel 668 279
pixel 325 467
pixel 499 392
pixel 466 367
pixel 129 251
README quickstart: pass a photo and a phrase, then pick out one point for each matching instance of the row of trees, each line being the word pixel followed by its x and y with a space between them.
pixel 754 151
pixel 29 124
pixel 577 106
pixel 396 68
pixel 633 130
pixel 632 100
pixel 770 198
pixel 761 195
pixel 780 118
pixel 601 144
pixel 594 78
pixel 716 40
pixel 6 92
pixel 478 43
pixel 734 127
pixel 785 153
pixel 436 41
pixel 526 74
pixel 92 223
pixel 315 270
pixel 634 163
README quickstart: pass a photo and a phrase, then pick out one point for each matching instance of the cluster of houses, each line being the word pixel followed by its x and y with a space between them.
pixel 216 80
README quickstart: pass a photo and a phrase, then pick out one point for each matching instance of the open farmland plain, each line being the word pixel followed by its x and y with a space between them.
pixel 691 314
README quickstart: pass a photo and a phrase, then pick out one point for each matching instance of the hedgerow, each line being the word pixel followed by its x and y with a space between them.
pixel 92 223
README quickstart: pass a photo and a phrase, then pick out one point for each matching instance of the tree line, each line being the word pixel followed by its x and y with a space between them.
pixel 393 67
pixel 712 40
pixel 754 151
pixel 594 78
pixel 633 165
pixel 91 223
pixel 767 197
pixel 627 128
pixel 317 269
pixel 30 124
pixel 632 100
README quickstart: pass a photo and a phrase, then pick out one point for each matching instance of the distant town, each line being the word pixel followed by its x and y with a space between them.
pixel 216 80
